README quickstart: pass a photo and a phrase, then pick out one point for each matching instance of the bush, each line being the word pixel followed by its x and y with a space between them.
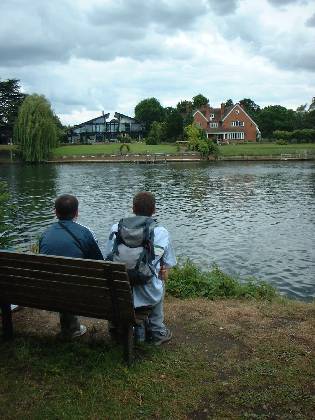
pixel 281 142
pixel 156 134
pixel 124 146
pixel 189 281
pixel 124 138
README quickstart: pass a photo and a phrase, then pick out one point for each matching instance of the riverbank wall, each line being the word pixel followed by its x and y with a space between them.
pixel 180 157
pixel 164 158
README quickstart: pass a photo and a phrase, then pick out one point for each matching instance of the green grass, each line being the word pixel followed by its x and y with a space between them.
pixel 265 149
pixel 228 360
pixel 112 148
pixel 189 281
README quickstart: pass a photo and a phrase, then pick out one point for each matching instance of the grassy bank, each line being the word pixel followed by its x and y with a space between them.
pixel 266 149
pixel 229 358
pixel 112 148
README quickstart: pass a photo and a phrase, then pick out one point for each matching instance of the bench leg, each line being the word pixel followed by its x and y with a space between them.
pixel 7 326
pixel 128 336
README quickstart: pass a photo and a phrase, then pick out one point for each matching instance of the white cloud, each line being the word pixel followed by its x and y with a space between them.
pixel 107 55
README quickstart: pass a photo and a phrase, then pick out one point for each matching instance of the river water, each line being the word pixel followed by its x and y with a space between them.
pixel 252 219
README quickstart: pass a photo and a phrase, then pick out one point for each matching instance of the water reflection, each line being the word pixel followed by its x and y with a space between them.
pixel 250 218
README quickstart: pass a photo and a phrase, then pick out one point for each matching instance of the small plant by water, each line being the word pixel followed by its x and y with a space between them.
pixel 189 281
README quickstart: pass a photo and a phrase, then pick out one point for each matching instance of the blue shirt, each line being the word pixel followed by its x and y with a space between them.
pixel 57 241
pixel 152 293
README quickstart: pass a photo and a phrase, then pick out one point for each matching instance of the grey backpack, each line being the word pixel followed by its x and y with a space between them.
pixel 134 246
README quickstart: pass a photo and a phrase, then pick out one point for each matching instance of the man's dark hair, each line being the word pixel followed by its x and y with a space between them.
pixel 66 206
pixel 144 204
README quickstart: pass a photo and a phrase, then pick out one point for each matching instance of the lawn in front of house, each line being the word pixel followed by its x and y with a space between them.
pixel 112 148
pixel 265 149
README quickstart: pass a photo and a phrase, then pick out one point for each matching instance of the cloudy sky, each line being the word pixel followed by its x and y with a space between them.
pixel 86 56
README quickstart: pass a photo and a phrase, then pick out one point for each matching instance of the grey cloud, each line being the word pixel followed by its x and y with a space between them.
pixel 40 32
pixel 285 2
pixel 223 7
pixel 166 15
pixel 311 21
pixel 288 50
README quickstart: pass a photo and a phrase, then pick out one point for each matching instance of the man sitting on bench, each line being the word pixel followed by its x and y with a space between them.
pixel 67 238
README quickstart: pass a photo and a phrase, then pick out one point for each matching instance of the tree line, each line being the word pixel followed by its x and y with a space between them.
pixel 168 124
pixel 29 121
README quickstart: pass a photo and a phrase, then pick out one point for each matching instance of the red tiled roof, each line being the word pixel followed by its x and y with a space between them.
pixel 216 111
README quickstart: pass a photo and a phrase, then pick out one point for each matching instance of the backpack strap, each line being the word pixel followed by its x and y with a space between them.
pixel 73 237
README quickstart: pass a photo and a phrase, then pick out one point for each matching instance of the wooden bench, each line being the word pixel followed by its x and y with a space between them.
pixel 89 288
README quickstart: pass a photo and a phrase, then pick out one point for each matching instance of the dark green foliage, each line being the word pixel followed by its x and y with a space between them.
pixel 229 102
pixel 173 125
pixel 185 108
pixel 35 130
pixel 250 107
pixel 157 133
pixel 297 136
pixel 10 100
pixel 4 197
pixel 189 281
pixel 199 101
pixel 149 110
pixel 206 147
pixel 197 141
pixel 275 117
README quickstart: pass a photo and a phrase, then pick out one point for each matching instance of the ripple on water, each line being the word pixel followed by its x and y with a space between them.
pixel 253 219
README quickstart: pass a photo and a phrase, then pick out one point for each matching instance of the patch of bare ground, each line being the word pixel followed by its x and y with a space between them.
pixel 255 359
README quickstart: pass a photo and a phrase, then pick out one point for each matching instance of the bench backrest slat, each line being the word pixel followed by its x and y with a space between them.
pixel 55 260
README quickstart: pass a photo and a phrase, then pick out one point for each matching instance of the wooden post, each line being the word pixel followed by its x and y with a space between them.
pixel 128 337
pixel 7 326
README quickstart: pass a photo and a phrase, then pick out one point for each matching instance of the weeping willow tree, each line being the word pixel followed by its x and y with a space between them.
pixel 35 130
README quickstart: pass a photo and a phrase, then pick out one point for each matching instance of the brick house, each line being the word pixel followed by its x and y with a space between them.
pixel 227 124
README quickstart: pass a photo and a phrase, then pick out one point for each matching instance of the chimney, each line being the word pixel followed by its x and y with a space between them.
pixel 222 109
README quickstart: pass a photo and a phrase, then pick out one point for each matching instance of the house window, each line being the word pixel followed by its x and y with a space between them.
pixel 211 115
pixel 237 123
pixel 213 125
pixel 236 136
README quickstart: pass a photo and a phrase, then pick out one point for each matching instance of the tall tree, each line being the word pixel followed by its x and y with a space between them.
pixel 157 133
pixel 229 102
pixel 185 108
pixel 199 101
pixel 35 130
pixel 149 110
pixel 275 117
pixel 10 100
pixel 173 125
pixel 250 107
